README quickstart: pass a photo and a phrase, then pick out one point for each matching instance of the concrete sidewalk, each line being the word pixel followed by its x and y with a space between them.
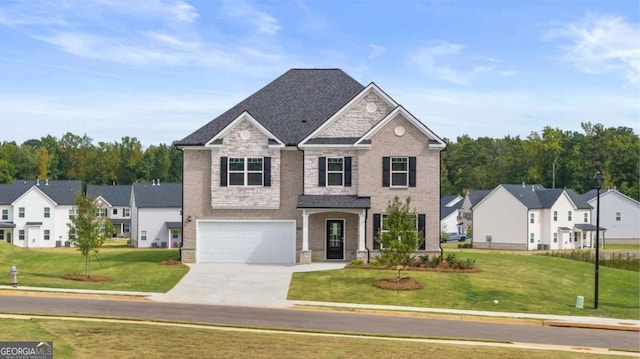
pixel 267 286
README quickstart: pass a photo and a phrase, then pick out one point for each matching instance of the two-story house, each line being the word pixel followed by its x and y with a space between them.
pixel 303 169
pixel 449 214
pixel 114 203
pixel 531 217
pixel 156 215
pixel 465 213
pixel 36 214
pixel 619 214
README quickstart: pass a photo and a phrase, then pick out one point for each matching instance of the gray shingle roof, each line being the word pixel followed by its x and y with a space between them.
pixel 328 201
pixel 536 196
pixel 291 107
pixel 336 141
pixel 446 211
pixel 476 195
pixel 116 195
pixel 60 191
pixel 161 196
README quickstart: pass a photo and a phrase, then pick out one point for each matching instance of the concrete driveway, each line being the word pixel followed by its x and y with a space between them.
pixel 237 284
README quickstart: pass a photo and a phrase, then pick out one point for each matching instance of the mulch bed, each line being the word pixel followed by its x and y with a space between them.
pixel 394 284
pixel 417 269
pixel 170 262
pixel 90 278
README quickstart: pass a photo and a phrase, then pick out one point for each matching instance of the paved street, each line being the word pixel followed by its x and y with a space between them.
pixel 322 321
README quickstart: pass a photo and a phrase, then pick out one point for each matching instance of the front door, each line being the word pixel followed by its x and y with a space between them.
pixel 335 239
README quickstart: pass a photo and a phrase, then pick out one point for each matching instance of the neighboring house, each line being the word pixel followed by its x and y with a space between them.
pixel 619 214
pixel 36 214
pixel 115 204
pixel 530 217
pixel 465 214
pixel 156 215
pixel 449 206
pixel 303 170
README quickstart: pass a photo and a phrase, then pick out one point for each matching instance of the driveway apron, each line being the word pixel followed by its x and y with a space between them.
pixel 238 284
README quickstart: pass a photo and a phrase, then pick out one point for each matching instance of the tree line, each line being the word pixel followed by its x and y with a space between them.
pixel 551 158
pixel 77 157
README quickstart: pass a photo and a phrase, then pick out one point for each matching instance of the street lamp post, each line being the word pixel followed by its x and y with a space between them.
pixel 598 179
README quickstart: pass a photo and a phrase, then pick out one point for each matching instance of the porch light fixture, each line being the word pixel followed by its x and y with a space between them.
pixel 598 179
pixel 189 219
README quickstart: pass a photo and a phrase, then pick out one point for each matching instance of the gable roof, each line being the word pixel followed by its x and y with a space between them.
pixel 477 195
pixel 434 140
pixel 591 195
pixel 446 208
pixel 291 106
pixel 62 192
pixel 535 196
pixel 119 195
pixel 161 196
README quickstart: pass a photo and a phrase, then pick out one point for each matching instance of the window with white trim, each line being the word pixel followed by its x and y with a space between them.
pixel 618 216
pixel 586 218
pixel 21 212
pixel 127 212
pixel 2 235
pixel 569 215
pixel 21 235
pixel 381 227
pixel 246 171
pixel 126 228
pixel 143 235
pixel 5 214
pixel 72 213
pixel 47 234
pixel 555 238
pixel 335 171
pixel 399 171
pixel 555 216
pixel 47 212
pixel 114 212
pixel 531 218
pixel 531 237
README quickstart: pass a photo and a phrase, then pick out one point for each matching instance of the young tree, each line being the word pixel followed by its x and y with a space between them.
pixel 400 238
pixel 88 230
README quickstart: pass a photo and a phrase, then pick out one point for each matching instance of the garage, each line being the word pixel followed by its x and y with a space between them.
pixel 256 242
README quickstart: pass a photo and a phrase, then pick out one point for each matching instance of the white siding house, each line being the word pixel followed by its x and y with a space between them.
pixel 156 215
pixel 36 214
pixel 449 206
pixel 531 217
pixel 619 214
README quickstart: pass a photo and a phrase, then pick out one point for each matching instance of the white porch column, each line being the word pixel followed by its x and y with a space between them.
pixel 305 230
pixel 361 232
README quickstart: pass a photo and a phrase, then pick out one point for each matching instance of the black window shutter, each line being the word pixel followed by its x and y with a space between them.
pixel 376 230
pixel 266 162
pixel 412 171
pixel 347 171
pixel 223 171
pixel 322 171
pixel 386 171
pixel 421 227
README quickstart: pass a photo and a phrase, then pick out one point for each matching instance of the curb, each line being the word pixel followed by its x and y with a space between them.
pixel 63 294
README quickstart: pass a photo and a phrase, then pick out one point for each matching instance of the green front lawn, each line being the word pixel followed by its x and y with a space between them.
pixel 521 283
pixel 131 269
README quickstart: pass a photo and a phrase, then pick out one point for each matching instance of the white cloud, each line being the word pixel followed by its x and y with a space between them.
pixel 169 10
pixel 375 51
pixel 495 114
pixel 262 21
pixel 601 44
pixel 428 61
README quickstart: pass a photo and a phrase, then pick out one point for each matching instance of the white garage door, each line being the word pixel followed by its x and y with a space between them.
pixel 264 242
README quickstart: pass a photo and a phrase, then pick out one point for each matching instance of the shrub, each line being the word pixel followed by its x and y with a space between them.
pixel 465 245
pixel 357 262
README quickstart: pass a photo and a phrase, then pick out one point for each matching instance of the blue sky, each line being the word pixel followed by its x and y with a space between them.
pixel 159 69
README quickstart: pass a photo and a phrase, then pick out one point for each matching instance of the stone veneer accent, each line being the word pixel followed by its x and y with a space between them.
pixel 311 172
pixel 356 121
pixel 233 145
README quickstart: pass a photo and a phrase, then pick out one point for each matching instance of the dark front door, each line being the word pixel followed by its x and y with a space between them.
pixel 335 239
